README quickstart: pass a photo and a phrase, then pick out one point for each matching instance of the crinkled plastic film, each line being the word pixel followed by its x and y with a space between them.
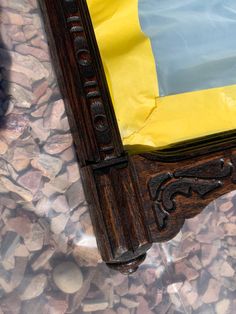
pixel 49 262
pixel 182 50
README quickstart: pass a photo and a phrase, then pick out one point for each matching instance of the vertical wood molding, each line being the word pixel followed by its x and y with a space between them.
pixel 136 200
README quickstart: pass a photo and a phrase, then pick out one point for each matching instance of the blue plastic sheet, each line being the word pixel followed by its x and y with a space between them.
pixel 193 42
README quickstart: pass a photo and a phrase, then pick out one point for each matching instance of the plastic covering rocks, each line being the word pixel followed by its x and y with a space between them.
pixel 49 262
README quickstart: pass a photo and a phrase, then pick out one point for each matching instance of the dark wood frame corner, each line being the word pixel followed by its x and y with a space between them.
pixel 134 200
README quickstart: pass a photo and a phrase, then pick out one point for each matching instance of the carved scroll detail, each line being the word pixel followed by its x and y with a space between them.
pixel 201 179
pixel 88 75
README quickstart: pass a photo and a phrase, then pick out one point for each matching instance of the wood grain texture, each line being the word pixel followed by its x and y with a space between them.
pixel 137 200
pixel 174 191
pixel 82 80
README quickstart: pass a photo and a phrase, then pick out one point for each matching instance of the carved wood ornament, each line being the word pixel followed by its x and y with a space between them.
pixel 134 200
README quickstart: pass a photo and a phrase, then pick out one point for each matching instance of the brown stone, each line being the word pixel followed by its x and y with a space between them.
pixel 53 114
pixel 123 288
pixel 208 237
pixel 14 127
pixel 10 186
pixel 174 287
pixel 9 264
pixel 42 207
pixel 38 113
pixel 188 245
pixel 73 172
pixel 195 262
pixel 229 283
pixel 122 310
pixel 48 165
pixel 109 311
pixel 65 124
pixel 35 239
pixel 43 258
pixel 8 244
pixel 3 168
pixel 213 291
pixel 232 251
pixel 7 202
pixel 25 149
pixel 12 18
pixel 175 300
pixel 23 96
pixel 57 306
pixel 39 90
pixel 11 304
pixel 143 306
pixel 148 276
pixel 230 229
pixel 45 98
pixel 188 272
pixel 94 306
pixel 3 147
pixel 18 271
pixel 137 289
pixel 79 296
pixel 21 251
pixel 226 270
pixel 29 31
pixel 37 22
pixel 38 42
pixel 68 155
pixel 58 223
pixel 34 287
pixel 19 79
pixel 188 293
pixel 209 252
pixel 6 39
pixel 20 164
pixel 60 204
pixel 21 6
pixel 59 184
pixel 38 130
pixel 28 65
pixel 223 306
pixel 16 34
pixel 75 194
pixel 31 181
pixel 20 225
pixel 129 303
pixel 225 207
pixel 58 143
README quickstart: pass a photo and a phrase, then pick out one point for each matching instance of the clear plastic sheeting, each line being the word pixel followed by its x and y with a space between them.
pixel 191 53
pixel 193 42
pixel 49 263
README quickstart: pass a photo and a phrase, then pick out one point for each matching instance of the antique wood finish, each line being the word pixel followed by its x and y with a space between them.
pixel 82 80
pixel 174 191
pixel 134 200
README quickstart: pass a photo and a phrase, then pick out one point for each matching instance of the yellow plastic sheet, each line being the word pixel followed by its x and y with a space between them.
pixel 145 119
pixel 128 61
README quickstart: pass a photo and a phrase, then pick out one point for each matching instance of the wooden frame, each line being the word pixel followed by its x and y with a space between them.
pixel 134 200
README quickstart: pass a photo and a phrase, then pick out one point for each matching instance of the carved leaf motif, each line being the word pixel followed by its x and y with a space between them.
pixel 156 182
pixel 211 170
pixel 161 215
pixel 185 187
pixel 200 179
